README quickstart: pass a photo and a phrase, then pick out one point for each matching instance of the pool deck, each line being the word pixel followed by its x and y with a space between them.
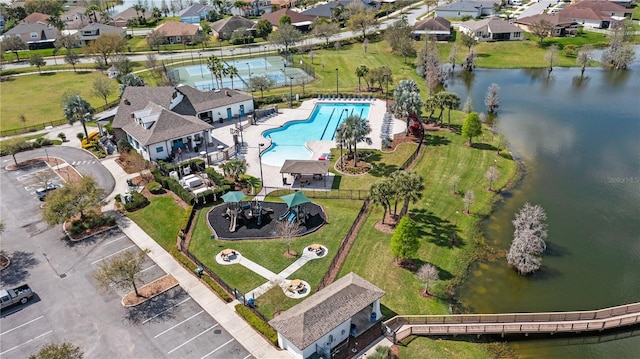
pixel 252 136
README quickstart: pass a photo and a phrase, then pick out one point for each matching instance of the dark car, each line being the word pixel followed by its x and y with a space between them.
pixel 43 191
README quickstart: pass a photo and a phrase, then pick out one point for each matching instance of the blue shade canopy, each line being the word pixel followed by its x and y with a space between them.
pixel 295 199
pixel 233 196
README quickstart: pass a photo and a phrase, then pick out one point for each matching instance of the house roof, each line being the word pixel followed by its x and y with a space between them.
pixel 495 26
pixel 466 6
pixel 434 23
pixel 24 30
pixel 231 24
pixel 552 18
pixel 130 13
pixel 102 29
pixel 195 10
pixel 296 17
pixel 591 10
pixel 176 28
pixel 305 167
pixel 36 17
pixel 600 6
pixel 136 98
pixel 159 125
pixel 326 10
pixel 308 321
pixel 196 101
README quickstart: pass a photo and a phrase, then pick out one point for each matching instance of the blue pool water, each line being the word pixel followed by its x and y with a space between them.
pixel 288 141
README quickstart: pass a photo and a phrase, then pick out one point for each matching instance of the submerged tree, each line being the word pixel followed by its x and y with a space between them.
pixel 492 99
pixel 551 56
pixel 585 55
pixel 528 239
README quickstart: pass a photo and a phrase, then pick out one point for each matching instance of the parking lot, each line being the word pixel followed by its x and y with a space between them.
pixel 70 306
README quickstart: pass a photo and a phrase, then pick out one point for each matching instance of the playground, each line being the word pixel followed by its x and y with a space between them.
pixel 253 219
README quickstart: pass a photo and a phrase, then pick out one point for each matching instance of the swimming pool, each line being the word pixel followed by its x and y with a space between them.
pixel 288 141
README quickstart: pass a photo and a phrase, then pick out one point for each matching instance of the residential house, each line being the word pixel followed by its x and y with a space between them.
pixel 37 36
pixel 157 121
pixel 624 3
pixel 462 8
pixel 300 21
pixel 491 29
pixel 342 310
pixel 561 27
pixel 175 32
pixel 435 27
pixel 75 17
pixel 194 13
pixel 325 10
pixel 36 18
pixel 94 30
pixel 222 29
pixel 285 4
pixel 595 14
pixel 122 19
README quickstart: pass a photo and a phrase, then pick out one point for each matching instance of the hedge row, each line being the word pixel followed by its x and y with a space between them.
pixel 137 201
pixel 192 267
pixel 258 323
pixel 173 185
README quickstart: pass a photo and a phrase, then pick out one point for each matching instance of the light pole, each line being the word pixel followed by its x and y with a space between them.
pixel 265 56
pixel 46 153
pixel 336 81
pixel 200 58
pixel 341 162
pixel 260 145
pixel 291 91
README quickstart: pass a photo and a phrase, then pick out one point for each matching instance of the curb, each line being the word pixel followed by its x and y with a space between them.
pixel 153 296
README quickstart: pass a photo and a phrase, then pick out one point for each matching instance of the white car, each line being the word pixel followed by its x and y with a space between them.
pixel 43 191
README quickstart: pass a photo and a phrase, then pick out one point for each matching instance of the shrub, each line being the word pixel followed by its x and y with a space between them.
pixel 61 135
pixel 137 201
pixel 118 198
pixel 124 146
pixel 80 136
pixel 154 187
pixel 185 219
pixel 258 323
pixel 78 226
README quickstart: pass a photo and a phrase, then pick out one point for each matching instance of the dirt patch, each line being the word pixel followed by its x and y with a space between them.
pixel 4 261
pixel 389 225
pixel 290 254
pixel 150 290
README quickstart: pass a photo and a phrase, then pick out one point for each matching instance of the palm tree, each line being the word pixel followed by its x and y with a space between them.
pixel 381 193
pixel 407 103
pixel 354 129
pixel 217 68
pixel 361 71
pixel 408 187
pixel 77 109
pixel 452 101
pixel 234 168
pixel 231 72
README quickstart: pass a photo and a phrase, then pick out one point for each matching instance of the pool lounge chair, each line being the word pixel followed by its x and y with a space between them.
pixel 373 98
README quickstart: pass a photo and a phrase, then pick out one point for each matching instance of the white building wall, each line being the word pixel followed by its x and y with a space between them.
pixel 155 154
pixel 452 14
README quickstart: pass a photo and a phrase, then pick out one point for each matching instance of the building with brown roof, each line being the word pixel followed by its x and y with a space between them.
pixel 157 121
pixel 175 31
pixel 595 14
pixel 130 14
pixel 491 29
pixel 36 18
pixel 561 27
pixel 298 20
pixel 437 27
pixel 341 310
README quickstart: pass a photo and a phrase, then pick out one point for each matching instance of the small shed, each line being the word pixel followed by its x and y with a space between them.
pixel 298 168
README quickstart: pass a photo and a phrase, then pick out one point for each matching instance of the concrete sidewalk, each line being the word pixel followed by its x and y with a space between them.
pixel 224 314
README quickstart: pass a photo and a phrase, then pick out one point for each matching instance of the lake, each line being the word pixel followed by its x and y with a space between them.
pixel 579 141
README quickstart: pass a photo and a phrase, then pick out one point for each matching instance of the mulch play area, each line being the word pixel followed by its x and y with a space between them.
pixel 247 226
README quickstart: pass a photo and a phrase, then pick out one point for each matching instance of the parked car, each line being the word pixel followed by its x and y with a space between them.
pixel 42 192
pixel 12 296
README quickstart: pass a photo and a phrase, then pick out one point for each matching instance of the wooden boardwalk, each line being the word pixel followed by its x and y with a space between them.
pixel 403 326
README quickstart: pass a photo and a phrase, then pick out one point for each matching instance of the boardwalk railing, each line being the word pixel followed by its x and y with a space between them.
pixel 524 323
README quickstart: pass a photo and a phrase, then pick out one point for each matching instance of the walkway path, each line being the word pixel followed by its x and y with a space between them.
pixel 224 314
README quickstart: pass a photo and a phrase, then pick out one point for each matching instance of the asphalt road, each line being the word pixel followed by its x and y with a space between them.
pixel 69 305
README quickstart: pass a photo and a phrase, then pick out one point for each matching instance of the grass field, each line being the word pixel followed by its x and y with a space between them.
pixel 39 97
pixel 160 220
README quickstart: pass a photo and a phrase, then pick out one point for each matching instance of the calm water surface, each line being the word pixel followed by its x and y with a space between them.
pixel 579 140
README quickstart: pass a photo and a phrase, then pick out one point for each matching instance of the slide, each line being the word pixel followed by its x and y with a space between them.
pixel 259 213
pixel 284 215
pixel 233 215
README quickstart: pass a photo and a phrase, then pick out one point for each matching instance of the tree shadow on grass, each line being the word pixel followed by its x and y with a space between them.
pixel 484 146
pixel 442 273
pixel 437 230
pixel 18 270
pixel 436 140
pixel 381 169
pixel 160 308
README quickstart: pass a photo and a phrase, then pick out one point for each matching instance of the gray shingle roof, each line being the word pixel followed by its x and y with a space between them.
pixel 167 126
pixel 232 24
pixel 137 98
pixel 306 167
pixel 466 6
pixel 195 10
pixel 198 101
pixel 326 10
pixel 495 26
pixel 308 321
pixel 434 23
pixel 24 30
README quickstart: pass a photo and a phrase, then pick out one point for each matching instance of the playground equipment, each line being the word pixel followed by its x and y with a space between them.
pixel 247 211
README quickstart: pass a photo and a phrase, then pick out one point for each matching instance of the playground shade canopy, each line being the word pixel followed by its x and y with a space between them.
pixel 233 196
pixel 295 199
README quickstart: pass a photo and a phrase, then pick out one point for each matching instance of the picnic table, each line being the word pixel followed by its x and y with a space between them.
pixel 225 253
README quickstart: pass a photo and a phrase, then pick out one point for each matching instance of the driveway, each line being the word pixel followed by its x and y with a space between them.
pixel 537 8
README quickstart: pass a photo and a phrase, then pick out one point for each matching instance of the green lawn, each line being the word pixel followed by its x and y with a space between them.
pixel 39 98
pixel 270 253
pixel 160 220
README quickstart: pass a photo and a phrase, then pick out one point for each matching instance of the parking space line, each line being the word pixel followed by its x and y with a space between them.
pixel 191 317
pixel 146 269
pixel 115 240
pixel 113 254
pixel 188 341
pixel 216 349
pixel 21 325
pixel 247 356
pixel 159 314
pixel 27 342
